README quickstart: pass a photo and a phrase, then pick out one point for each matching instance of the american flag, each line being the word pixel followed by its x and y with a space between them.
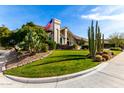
pixel 49 24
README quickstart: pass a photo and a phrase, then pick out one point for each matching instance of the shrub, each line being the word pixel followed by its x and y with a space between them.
pixel 99 53
pixel 103 59
pixel 106 56
pixel 112 53
pixel 105 52
pixel 76 47
pixel 44 47
pixel 98 58
pixel 52 44
pixel 58 46
pixel 116 48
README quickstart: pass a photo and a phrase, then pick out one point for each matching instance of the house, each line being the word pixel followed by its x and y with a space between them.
pixel 62 36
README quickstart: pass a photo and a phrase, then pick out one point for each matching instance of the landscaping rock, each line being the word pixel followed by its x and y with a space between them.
pixel 26 60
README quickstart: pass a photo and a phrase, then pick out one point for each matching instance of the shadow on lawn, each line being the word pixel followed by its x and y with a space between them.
pixel 65 58
pixel 75 56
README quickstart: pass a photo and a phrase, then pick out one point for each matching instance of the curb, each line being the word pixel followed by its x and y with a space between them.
pixel 56 78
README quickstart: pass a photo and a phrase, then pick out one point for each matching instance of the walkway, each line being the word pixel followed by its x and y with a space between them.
pixel 111 76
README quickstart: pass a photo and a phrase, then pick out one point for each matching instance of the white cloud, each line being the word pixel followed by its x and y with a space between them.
pixel 111 18
pixel 98 16
pixel 111 27
pixel 95 9
pixel 105 13
pixel 107 9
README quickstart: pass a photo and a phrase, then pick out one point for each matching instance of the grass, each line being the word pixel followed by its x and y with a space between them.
pixel 60 62
pixel 114 51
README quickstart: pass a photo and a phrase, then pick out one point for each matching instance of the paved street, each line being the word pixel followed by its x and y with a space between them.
pixel 111 75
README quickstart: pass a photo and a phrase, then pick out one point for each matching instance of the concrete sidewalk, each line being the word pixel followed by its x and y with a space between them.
pixel 110 76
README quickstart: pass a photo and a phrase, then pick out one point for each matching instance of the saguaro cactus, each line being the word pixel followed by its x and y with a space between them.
pixel 96 37
pixel 96 43
pixel 99 40
pixel 91 38
pixel 102 42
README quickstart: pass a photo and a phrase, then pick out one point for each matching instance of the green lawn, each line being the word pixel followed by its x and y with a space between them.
pixel 60 62
pixel 115 52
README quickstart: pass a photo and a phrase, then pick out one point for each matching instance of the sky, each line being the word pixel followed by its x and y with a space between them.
pixel 76 18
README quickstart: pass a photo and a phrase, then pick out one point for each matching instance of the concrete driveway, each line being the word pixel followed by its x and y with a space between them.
pixel 111 76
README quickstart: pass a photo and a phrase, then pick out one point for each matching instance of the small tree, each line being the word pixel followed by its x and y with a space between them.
pixel 31 40
pixel 117 39
pixel 35 40
pixel 4 34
